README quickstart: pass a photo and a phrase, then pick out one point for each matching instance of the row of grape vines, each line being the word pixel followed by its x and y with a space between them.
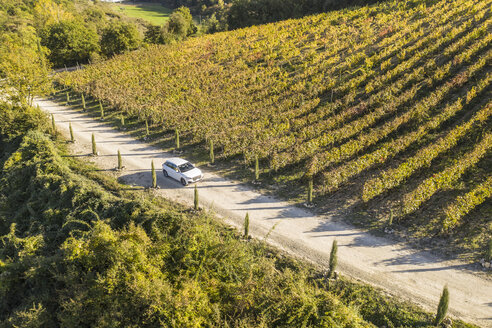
pixel 373 96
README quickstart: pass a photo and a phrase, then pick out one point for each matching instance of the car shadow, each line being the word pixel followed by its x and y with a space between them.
pixel 143 178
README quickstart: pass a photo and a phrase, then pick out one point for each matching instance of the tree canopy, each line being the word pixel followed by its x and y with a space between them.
pixel 119 37
pixel 70 42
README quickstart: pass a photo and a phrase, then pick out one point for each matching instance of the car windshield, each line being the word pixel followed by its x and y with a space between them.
pixel 186 167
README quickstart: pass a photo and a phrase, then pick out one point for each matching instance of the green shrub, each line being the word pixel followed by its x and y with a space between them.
pixel 101 110
pixel 120 161
pixel 118 38
pixel 154 176
pixel 53 126
pixel 94 146
pixel 72 138
pixel 488 254
pixel 83 101
pixel 196 204
pixel 442 308
pixel 212 157
pixel 333 259
pixel 177 138
pixel 16 120
pixel 70 42
pixel 246 226
pixel 257 168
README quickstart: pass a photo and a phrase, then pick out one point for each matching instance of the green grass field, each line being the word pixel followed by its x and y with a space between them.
pixel 154 13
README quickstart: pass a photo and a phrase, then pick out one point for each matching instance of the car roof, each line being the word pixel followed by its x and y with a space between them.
pixel 177 160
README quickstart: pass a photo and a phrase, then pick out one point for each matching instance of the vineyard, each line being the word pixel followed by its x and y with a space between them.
pixel 386 108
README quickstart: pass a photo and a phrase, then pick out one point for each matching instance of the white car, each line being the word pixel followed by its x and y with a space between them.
pixel 181 170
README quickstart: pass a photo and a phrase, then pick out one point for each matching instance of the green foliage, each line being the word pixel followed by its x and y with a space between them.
pixel 94 148
pixel 53 126
pixel 442 308
pixel 333 259
pixel 24 68
pixel 244 13
pixel 424 157
pixel 176 138
pixel 488 254
pixel 310 190
pixel 70 32
pixel 154 176
pixel 118 38
pixel 196 205
pixel 72 138
pixel 211 151
pixel 95 254
pixel 120 161
pixel 180 23
pixel 464 204
pixel 83 101
pixel 390 219
pixel 257 168
pixel 16 120
pixel 246 226
pixel 395 114
pixel 154 34
pixel 70 42
pixel 101 110
pixel 217 22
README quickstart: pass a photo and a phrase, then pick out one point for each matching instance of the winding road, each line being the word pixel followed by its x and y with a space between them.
pixel 410 274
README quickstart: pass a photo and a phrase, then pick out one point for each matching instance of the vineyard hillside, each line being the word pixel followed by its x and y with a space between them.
pixel 386 108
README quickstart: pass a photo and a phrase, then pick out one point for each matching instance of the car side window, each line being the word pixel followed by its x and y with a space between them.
pixel 170 165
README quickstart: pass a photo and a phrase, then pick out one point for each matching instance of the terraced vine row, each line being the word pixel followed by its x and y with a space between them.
pixel 372 95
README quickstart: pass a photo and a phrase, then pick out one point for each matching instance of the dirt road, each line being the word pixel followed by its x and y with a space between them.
pixel 411 274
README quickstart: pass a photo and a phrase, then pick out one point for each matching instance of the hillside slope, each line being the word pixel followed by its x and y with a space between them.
pixel 79 249
pixel 387 108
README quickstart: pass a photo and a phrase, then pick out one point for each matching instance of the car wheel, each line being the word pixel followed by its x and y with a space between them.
pixel 165 173
pixel 183 182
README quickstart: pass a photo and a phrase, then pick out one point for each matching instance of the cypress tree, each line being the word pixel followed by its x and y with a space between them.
pixel 53 126
pixel 442 308
pixel 310 190
pixel 94 149
pixel 122 120
pixel 154 176
pixel 488 255
pixel 257 168
pixel 195 200
pixel 246 225
pixel 68 98
pixel 212 157
pixel 333 259
pixel 146 127
pixel 177 138
pixel 72 139
pixel 83 101
pixel 120 162
pixel 101 109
